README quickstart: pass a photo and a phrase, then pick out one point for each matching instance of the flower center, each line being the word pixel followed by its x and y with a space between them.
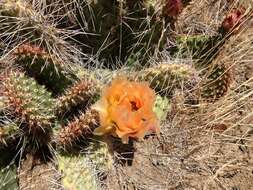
pixel 134 106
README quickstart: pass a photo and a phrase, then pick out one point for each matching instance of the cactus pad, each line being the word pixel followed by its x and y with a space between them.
pixel 81 127
pixel 77 173
pixel 166 77
pixel 99 155
pixel 45 68
pixel 218 83
pixel 30 102
pixel 81 92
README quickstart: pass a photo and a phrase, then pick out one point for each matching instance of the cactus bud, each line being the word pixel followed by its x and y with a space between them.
pixel 232 20
pixel 173 8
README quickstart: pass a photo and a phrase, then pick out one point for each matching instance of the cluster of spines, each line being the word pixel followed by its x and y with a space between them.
pixel 166 77
pixel 25 21
pixel 78 94
pixel 163 78
pixel 30 51
pixel 29 102
pixel 218 83
pixel 19 11
pixel 195 45
pixel 45 68
pixel 81 127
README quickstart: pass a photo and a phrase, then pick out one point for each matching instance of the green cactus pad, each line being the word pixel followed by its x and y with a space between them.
pixel 109 24
pixel 98 154
pixel 29 101
pixel 166 77
pixel 199 46
pixel 77 173
pixel 8 178
pixel 8 131
pixel 78 94
pixel 75 131
pixel 217 83
pixel 161 108
pixel 45 68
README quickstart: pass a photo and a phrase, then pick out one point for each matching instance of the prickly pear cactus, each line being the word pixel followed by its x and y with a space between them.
pixel 81 127
pixel 217 83
pixel 58 57
pixel 77 173
pixel 167 77
pixel 24 21
pixel 109 24
pixel 80 93
pixel 195 45
pixel 161 108
pixel 98 153
pixel 8 178
pixel 45 68
pixel 8 131
pixel 31 103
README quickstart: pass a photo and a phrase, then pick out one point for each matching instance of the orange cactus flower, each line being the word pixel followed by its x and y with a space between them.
pixel 126 110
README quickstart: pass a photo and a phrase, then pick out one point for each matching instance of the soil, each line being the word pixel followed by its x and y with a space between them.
pixel 36 173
